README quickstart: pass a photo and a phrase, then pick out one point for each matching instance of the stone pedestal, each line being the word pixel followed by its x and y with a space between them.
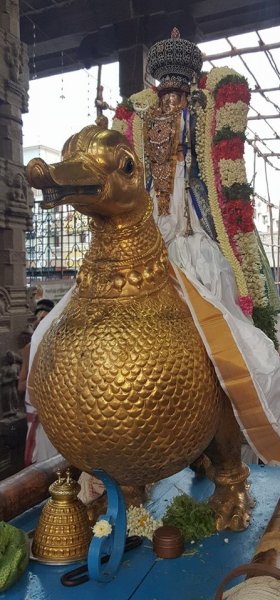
pixel 15 194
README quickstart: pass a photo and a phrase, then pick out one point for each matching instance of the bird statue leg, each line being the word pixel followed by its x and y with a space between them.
pixel 134 495
pixel 231 501
pixel 200 466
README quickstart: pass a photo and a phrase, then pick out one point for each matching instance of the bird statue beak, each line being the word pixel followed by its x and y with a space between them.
pixel 51 179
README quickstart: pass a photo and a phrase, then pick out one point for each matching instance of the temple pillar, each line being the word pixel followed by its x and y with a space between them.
pixel 132 67
pixel 15 194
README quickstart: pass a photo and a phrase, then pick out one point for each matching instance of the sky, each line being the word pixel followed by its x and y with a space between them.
pixel 63 104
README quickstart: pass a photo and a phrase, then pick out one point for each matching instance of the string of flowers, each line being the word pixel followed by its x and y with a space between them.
pixel 214 189
pixel 140 522
pixel 123 119
pixel 200 140
pixel 127 118
pixel 138 139
pixel 222 165
pixel 232 98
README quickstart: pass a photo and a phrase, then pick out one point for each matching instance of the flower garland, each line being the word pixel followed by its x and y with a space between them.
pixel 233 116
pixel 222 167
pixel 127 119
pixel 140 522
pixel 123 119
pixel 214 191
pixel 147 98
pixel 200 140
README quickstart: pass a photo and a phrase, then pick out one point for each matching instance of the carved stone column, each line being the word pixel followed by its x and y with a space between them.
pixel 15 195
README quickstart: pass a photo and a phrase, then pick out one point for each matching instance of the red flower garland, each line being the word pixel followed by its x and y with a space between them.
pixel 232 92
pixel 122 113
pixel 238 216
pixel 202 81
pixel 232 148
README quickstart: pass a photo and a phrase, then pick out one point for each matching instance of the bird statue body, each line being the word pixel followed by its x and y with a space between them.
pixel 121 379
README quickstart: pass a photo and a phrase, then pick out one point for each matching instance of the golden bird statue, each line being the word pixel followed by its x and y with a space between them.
pixel 121 379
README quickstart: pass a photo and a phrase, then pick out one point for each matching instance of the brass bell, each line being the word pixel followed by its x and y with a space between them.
pixel 63 532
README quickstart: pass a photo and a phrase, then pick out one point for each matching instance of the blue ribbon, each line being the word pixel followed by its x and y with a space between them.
pixel 114 543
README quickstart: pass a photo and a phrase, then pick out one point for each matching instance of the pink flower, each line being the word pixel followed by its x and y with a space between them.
pixel 246 305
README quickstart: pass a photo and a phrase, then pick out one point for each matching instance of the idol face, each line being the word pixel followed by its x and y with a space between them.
pixel 171 101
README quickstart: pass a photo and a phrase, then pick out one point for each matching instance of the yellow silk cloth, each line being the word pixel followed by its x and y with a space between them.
pixel 231 370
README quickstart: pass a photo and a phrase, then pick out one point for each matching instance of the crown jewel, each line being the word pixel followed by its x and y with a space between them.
pixel 174 62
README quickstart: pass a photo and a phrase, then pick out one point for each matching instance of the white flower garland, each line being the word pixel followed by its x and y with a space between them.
pixel 232 171
pixel 147 98
pixel 200 140
pixel 216 75
pixel 138 138
pixel 251 265
pixel 140 522
pixel 119 125
pixel 232 115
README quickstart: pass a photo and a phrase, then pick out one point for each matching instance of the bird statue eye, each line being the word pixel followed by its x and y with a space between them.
pixel 128 166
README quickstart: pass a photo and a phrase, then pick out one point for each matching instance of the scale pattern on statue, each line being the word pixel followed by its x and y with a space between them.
pixel 129 386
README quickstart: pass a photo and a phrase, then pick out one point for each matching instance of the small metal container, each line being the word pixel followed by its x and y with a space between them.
pixel 168 542
pixel 63 533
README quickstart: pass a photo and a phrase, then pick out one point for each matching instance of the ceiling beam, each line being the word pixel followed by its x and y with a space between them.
pixel 90 33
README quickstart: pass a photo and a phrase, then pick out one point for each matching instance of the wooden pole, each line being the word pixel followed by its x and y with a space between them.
pixel 30 486
pixel 239 51
pixel 258 117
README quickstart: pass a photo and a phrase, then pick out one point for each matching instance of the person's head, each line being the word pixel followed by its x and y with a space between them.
pixel 43 307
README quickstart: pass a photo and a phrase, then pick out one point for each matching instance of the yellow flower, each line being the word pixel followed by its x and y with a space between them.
pixel 119 125
pixel 102 528
pixel 145 99
pixel 217 74
pixel 200 140
pixel 138 139
pixel 232 171
pixel 232 115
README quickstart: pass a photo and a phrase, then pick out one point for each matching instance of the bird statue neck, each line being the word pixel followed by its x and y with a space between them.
pixel 126 258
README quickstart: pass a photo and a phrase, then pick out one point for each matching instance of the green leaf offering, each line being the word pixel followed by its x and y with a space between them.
pixel 194 519
pixel 14 554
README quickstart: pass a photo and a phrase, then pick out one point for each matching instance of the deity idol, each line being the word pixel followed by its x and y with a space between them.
pixel 189 133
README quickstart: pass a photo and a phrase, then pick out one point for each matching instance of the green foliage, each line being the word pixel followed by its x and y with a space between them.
pixel 126 103
pixel 226 133
pixel 238 190
pixel 14 554
pixel 266 319
pixel 230 79
pixel 194 519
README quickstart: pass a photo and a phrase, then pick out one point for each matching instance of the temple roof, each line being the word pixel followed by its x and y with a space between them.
pixel 94 32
